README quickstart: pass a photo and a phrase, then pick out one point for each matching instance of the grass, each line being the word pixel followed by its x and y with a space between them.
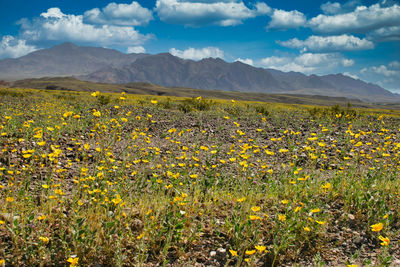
pixel 72 84
pixel 117 179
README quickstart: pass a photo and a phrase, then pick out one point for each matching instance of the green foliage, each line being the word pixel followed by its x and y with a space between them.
pixel 104 100
pixel 153 180
pixel 192 104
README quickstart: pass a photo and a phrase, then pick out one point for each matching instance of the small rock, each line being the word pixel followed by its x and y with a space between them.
pixel 396 263
pixel 221 251
pixel 213 253
pixel 357 240
pixel 351 216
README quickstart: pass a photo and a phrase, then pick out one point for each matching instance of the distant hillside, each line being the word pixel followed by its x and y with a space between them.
pixel 168 70
pixel 111 66
pixel 68 83
pixel 63 60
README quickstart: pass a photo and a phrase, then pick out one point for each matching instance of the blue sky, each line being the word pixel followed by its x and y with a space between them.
pixel 355 37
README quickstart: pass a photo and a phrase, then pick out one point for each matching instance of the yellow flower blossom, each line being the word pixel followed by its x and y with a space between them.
pixel 233 252
pixel 255 208
pixel 95 94
pixel 241 199
pixel 255 218
pixel 376 227
pixel 385 240
pixel 73 261
pixel 282 217
pixel 45 240
pixel 96 113
pixel 250 252
pixel 41 143
pixel 260 248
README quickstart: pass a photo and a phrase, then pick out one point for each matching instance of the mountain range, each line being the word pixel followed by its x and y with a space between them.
pixel 111 66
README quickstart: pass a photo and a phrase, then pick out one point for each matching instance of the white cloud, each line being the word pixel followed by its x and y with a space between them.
pixel 387 76
pixel 53 12
pixel 347 62
pixel 197 54
pixel 11 47
pixel 247 61
pixel 199 13
pixel 362 19
pixel 54 25
pixel 281 19
pixel 119 14
pixel 391 33
pixel 136 49
pixel 272 62
pixel 331 8
pixel 318 63
pixel 382 70
pixel 334 8
pixel 394 65
pixel 342 42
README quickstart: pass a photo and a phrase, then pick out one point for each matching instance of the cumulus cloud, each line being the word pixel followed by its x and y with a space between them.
pixel 54 25
pixel 387 76
pixel 197 54
pixel 247 61
pixel 334 8
pixel 11 47
pixel 119 14
pixel 342 42
pixel 307 63
pixel 363 19
pixel 382 70
pixel 385 34
pixel 199 13
pixel 136 49
pixel 394 65
pixel 281 19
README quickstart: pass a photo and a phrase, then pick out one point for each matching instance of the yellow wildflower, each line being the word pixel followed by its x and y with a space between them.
pixel 255 208
pixel 44 239
pixel 96 113
pixel 73 261
pixel 254 217
pixel 385 240
pixel 376 227
pixel 250 252
pixel 241 199
pixel 233 252
pixel 260 248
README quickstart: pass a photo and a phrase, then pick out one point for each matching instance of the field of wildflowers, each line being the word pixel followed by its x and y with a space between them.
pixel 122 180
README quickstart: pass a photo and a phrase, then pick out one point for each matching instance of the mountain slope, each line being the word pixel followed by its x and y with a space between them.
pixel 111 66
pixel 167 70
pixel 210 73
pixel 350 86
pixel 63 60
